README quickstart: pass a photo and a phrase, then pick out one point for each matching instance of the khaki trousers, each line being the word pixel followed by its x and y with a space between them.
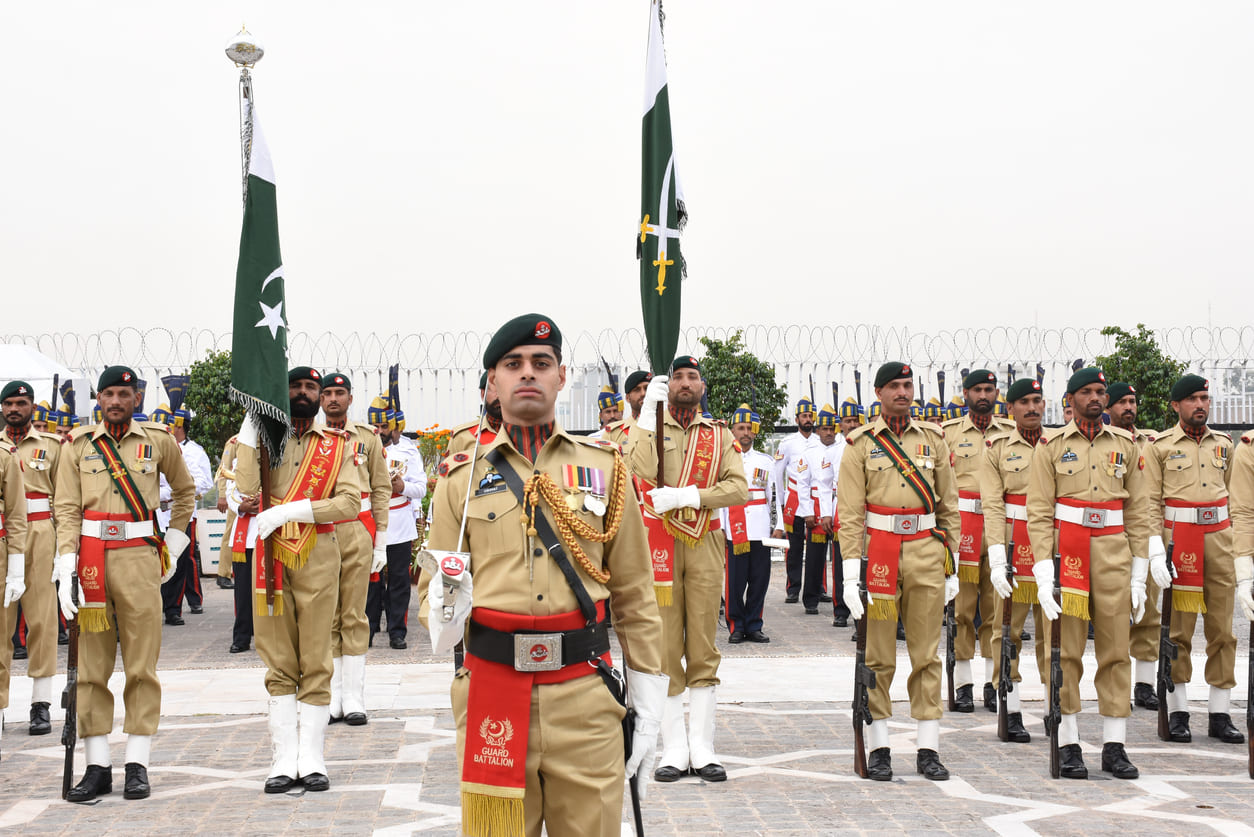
pixel 1219 581
pixel 1018 618
pixel 689 657
pixel 964 615
pixel 1110 605
pixel 296 645
pixel 920 602
pixel 133 603
pixel 350 632
pixel 1143 636
pixel 224 552
pixel 574 756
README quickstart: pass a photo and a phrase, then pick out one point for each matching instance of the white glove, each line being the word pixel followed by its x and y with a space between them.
pixel 851 570
pixel 997 571
pixel 646 693
pixel 176 541
pixel 272 518
pixel 247 436
pixel 658 392
pixel 670 497
pixel 444 635
pixel 1158 562
pixel 63 573
pixel 1044 573
pixel 951 588
pixel 1140 571
pixel 1244 565
pixel 379 559
pixel 15 581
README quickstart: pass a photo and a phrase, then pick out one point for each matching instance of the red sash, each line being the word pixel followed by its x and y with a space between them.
pixel 498 723
pixel 883 553
pixel 239 541
pixel 971 543
pixel 1074 552
pixel 738 523
pixel 790 509
pixel 93 616
pixel 1189 555
pixel 662 554
pixel 1022 560
pixel 314 481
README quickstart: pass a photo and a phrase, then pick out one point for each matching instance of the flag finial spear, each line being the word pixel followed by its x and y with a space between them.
pixel 243 49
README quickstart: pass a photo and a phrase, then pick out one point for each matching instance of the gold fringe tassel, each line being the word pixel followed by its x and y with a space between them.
pixel 741 548
pixel 788 528
pixel 239 557
pixel 262 610
pixel 949 562
pixel 968 574
pixel 290 559
pixel 1025 593
pixel 882 610
pixel 93 620
pixel 491 816
pixel 165 559
pixel 1075 604
pixel 665 594
pixel 1188 601
pixel 818 537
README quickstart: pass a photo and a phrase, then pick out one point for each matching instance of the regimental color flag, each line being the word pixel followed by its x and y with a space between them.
pixel 662 213
pixel 259 338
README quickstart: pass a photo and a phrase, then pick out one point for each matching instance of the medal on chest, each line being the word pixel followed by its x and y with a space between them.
pixel 1116 467
pixel 1221 457
pixel 585 488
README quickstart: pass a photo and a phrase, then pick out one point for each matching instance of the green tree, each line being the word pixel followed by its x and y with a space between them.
pixel 215 418
pixel 1138 360
pixel 733 377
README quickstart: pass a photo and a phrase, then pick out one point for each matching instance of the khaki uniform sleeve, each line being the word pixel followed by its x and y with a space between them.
pixel 1241 498
pixel 732 489
pixel 247 471
pixel 1041 499
pixel 69 498
pixel 1136 509
pixel 1152 479
pixel 14 504
pixel 642 454
pixel 993 494
pixel 182 486
pixel 851 500
pixel 947 515
pixel 380 482
pixel 637 621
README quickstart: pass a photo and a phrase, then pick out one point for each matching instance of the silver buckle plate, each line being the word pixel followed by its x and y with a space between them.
pixel 537 652
pixel 1094 518
pixel 110 531
pixel 979 506
pixel 905 524
pixel 1207 515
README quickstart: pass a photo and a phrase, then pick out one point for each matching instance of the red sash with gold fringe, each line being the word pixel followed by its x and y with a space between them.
pixel 315 480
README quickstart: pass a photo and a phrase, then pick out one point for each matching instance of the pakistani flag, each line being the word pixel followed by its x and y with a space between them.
pixel 259 338
pixel 662 213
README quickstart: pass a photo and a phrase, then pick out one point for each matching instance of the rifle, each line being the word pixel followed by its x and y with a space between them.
pixel 1008 653
pixel 951 631
pixel 863 682
pixel 1249 705
pixel 1167 651
pixel 1053 716
pixel 69 696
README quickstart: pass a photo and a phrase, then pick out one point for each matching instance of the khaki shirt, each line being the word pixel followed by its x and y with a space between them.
pixel 39 454
pixel 967 444
pixel 226 466
pixel 372 470
pixel 84 483
pixel 341 504
pixel 509 577
pixel 730 488
pixel 1068 465
pixel 13 497
pixel 1241 503
pixel 620 431
pixel 462 437
pixel 1005 470
pixel 1178 468
pixel 868 476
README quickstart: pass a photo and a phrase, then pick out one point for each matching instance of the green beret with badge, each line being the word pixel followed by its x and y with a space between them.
pixel 117 376
pixel 304 373
pixel 1084 377
pixel 1184 387
pixel 524 330
pixel 979 376
pixel 17 389
pixel 891 371
pixel 1022 388
pixel 1120 390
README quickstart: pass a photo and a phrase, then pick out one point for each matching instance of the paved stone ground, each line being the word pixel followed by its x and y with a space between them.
pixel 784 733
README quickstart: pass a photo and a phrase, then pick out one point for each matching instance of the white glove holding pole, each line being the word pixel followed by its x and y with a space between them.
pixel 379 558
pixel 852 568
pixel 951 588
pixel 1002 586
pixel 176 541
pixel 1159 570
pixel 247 436
pixel 669 497
pixel 646 693
pixel 272 518
pixel 15 579
pixel 63 573
pixel 1043 571
pixel 1244 565
pixel 658 392
pixel 1140 571
pixel 444 635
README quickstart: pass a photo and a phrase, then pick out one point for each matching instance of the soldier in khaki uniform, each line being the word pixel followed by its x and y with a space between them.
pixel 1241 505
pixel 1187 473
pixel 295 641
pixel 38 454
pixel 12 546
pixel 704 472
pixel 225 476
pixel 462 437
pixel 887 470
pixel 363 551
pixel 1003 495
pixel 108 484
pixel 539 739
pixel 1087 494
pixel 966 438
pixel 634 387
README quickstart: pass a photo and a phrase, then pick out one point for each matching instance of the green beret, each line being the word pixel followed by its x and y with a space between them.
pixel 637 378
pixel 117 376
pixel 1021 388
pixel 337 379
pixel 978 376
pixel 1182 389
pixel 685 362
pixel 483 380
pixel 17 389
pixel 1118 391
pixel 891 371
pixel 527 330
pixel 1084 377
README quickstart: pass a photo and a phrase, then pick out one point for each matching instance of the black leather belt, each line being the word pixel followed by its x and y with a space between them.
pixel 538 651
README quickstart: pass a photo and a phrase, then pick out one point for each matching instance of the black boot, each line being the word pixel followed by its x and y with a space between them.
pixel 136 781
pixel 1178 727
pixel 712 772
pixel 990 697
pixel 1115 761
pixel 97 781
pixel 1072 762
pixel 929 764
pixel 879 765
pixel 279 784
pixel 1015 730
pixel 963 700
pixel 40 723
pixel 316 782
pixel 1143 694
pixel 1221 727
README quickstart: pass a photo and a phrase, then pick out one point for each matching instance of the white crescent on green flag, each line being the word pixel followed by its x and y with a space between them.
pixel 259 336
pixel 662 212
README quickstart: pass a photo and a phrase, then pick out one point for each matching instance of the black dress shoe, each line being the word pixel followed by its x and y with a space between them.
pixel 40 723
pixel 712 772
pixel 1115 761
pixel 736 637
pixel 790 599
pixel 1178 728
pixel 96 781
pixel 1143 695
pixel 226 584
pixel 197 609
pixel 280 784
pixel 812 611
pixel 901 632
pixel 963 701
pixel 879 765
pixel 1015 730
pixel 1221 727
pixel 1024 636
pixel 929 764
pixel 666 773
pixel 1071 762
pixel 355 719
pixel 136 782
pixel 398 642
pixel 825 598
pixel 63 638
pixel 238 649
pixel 19 653
pixel 840 622
pixel 316 782
pixel 173 619
pixel 1090 631
pixel 990 697
pixel 757 636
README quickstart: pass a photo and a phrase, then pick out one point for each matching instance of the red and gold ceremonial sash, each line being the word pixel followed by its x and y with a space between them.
pixel 738 524
pixel 971 543
pixel 1074 551
pixel 915 480
pixel 1021 558
pixel 93 616
pixel 883 552
pixel 130 492
pixel 498 723
pixel 1189 555
pixel 662 556
pixel 791 502
pixel 239 540
pixel 315 480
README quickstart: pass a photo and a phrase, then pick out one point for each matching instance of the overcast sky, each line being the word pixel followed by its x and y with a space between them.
pixel 444 166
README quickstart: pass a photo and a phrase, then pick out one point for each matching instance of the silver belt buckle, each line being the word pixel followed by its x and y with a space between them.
pixel 1207 515
pixel 979 506
pixel 110 531
pixel 905 524
pixel 537 652
pixel 1094 518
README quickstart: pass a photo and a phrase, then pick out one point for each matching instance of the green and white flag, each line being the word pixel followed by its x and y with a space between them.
pixel 662 213
pixel 259 338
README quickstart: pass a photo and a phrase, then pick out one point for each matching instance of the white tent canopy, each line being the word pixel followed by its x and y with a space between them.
pixel 19 362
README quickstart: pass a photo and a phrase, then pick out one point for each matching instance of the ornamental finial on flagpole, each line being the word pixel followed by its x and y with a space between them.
pixel 244 50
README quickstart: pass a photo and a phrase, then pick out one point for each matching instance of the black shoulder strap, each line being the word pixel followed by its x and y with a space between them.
pixel 547 536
